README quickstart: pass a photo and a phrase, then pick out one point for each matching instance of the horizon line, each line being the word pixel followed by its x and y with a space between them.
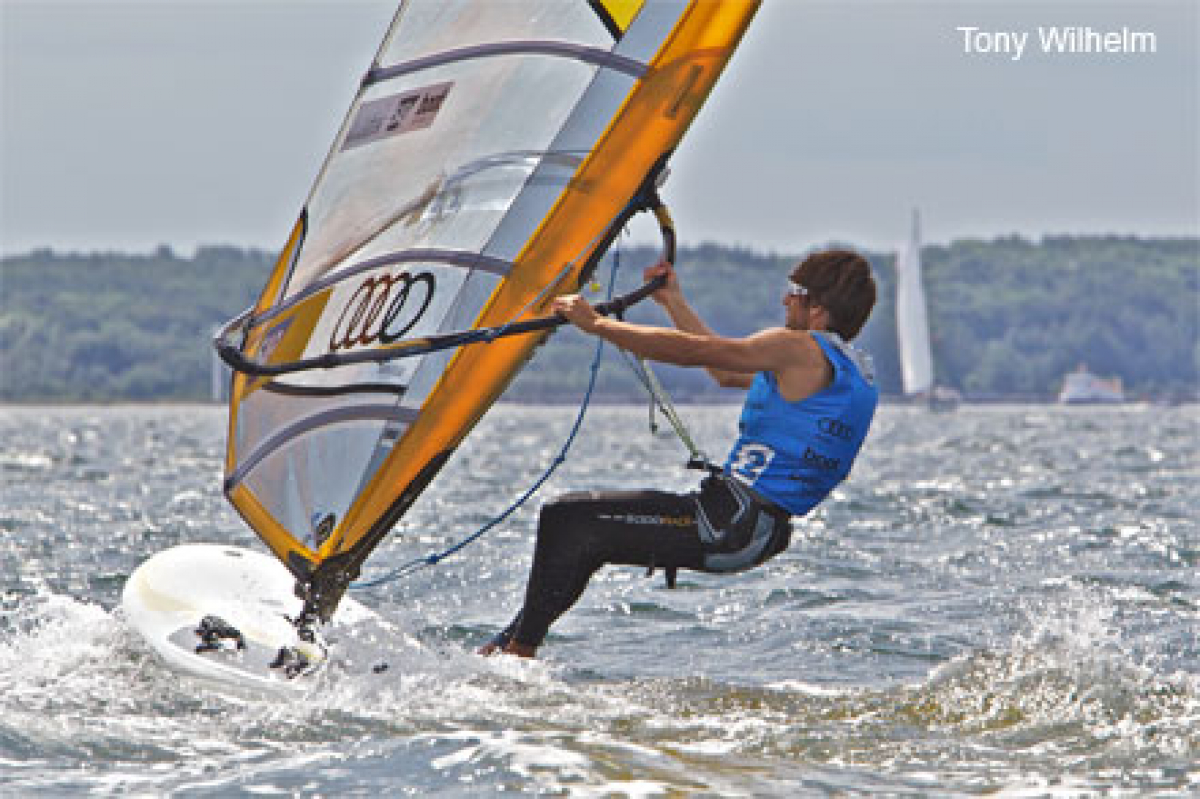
pixel 189 251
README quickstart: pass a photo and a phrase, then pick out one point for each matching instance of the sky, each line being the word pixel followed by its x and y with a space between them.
pixel 126 125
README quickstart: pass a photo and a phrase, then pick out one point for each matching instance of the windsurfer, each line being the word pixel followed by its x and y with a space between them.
pixel 810 402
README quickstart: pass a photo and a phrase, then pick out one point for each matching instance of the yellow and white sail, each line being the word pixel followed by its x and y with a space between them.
pixel 490 154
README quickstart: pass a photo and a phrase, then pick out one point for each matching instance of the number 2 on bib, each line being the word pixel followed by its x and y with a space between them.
pixel 749 461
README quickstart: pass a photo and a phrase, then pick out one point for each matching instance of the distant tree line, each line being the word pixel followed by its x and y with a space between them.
pixel 1009 317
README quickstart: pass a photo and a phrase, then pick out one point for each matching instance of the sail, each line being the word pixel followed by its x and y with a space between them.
pixel 912 321
pixel 489 156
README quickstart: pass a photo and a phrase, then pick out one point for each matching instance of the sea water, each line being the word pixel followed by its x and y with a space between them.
pixel 1000 599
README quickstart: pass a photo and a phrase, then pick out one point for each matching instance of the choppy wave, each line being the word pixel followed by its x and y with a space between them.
pixel 956 621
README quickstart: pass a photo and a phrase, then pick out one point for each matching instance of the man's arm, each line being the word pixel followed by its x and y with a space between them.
pixel 775 349
pixel 795 357
pixel 671 298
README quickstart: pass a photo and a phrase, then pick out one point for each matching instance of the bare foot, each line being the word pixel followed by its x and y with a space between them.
pixel 488 649
pixel 520 650
pixel 509 648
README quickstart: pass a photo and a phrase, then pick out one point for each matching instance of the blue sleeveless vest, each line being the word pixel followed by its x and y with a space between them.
pixel 794 453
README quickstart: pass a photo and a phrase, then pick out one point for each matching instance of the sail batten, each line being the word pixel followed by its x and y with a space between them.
pixel 463 258
pixel 326 418
pixel 580 52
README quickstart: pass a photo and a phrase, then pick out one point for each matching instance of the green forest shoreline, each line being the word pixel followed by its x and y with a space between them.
pixel 1010 317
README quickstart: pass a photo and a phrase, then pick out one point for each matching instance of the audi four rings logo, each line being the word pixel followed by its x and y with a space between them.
pixel 382 309
pixel 836 428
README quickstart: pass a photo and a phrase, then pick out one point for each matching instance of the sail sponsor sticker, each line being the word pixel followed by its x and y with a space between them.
pixel 396 114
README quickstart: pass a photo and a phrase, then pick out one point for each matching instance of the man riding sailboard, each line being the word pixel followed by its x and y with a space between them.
pixel 810 402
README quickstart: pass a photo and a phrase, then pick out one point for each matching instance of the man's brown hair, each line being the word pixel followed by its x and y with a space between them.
pixel 840 281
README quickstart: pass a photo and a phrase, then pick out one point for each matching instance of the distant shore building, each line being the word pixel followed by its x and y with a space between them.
pixel 1081 386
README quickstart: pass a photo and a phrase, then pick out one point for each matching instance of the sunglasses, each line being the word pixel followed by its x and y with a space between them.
pixel 794 289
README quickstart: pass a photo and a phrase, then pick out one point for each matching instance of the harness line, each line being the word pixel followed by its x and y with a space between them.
pixel 661 400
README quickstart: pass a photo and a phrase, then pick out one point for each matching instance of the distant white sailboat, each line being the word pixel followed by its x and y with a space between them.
pixel 912 327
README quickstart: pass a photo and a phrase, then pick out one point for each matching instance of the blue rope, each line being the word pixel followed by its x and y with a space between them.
pixel 438 557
